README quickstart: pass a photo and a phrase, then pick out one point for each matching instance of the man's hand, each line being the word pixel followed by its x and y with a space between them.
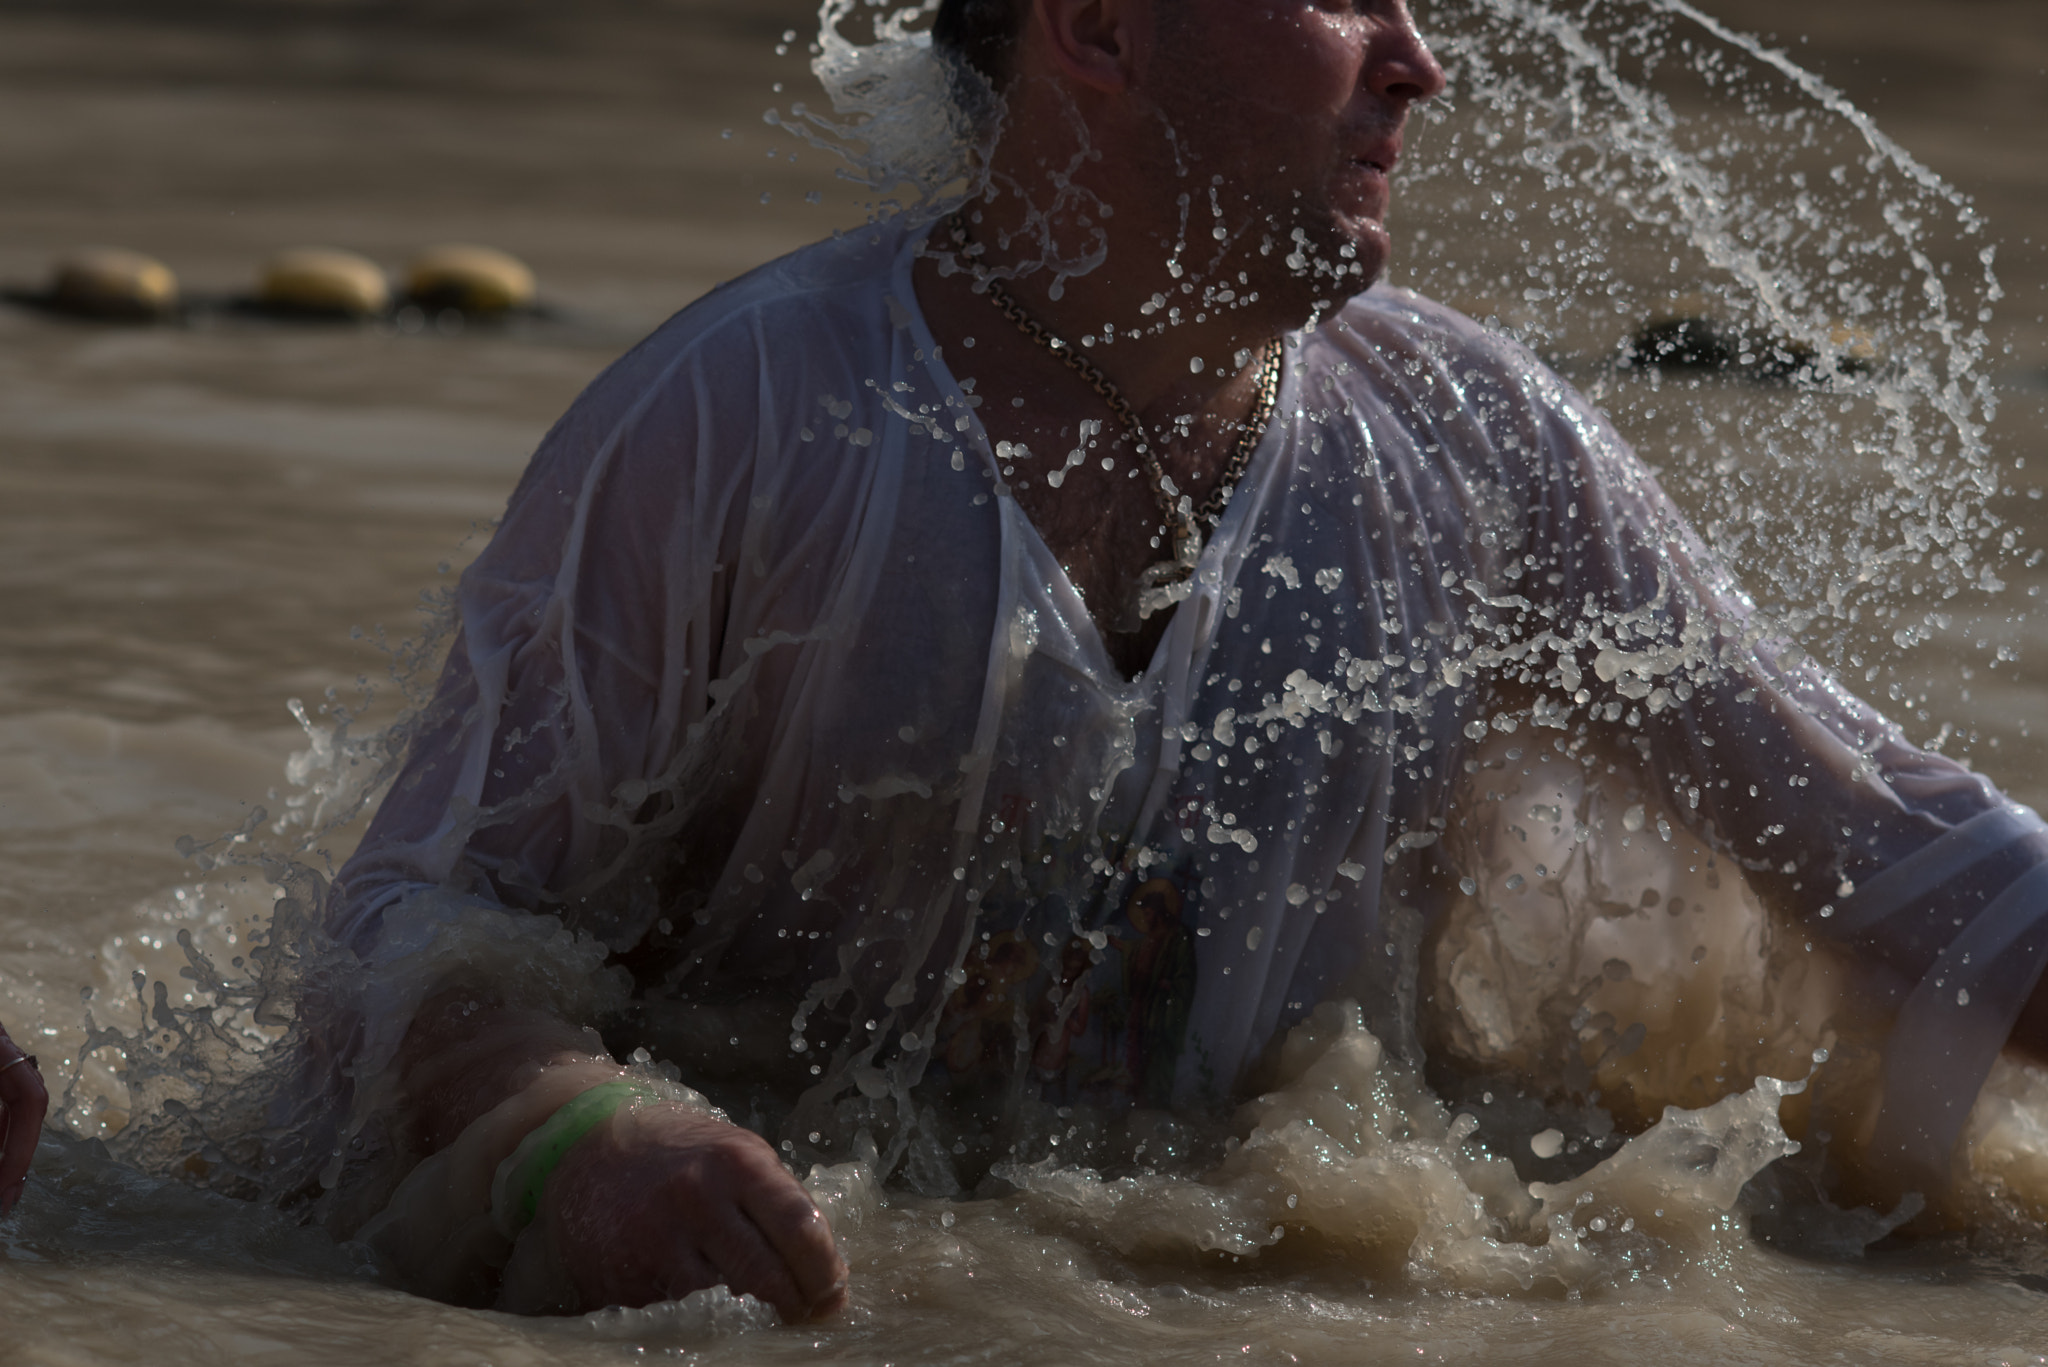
pixel 23 1103
pixel 664 1200
pixel 659 1201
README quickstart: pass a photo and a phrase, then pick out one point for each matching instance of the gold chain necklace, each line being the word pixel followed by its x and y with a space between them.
pixel 1165 583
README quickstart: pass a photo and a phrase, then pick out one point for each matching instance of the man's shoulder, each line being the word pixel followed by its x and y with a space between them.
pixel 1467 395
pixel 804 293
pixel 1402 343
pixel 1396 321
pixel 812 318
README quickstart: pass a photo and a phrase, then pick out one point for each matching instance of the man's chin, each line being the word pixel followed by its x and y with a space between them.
pixel 1323 281
pixel 1371 244
pixel 1300 300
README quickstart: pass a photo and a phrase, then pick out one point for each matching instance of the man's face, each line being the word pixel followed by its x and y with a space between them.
pixel 1290 116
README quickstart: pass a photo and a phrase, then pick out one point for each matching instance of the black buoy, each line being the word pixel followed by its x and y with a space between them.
pixel 1688 336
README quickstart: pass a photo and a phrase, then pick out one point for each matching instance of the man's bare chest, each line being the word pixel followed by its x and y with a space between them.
pixel 1098 515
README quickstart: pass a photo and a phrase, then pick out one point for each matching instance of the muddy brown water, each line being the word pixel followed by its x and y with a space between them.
pixel 195 518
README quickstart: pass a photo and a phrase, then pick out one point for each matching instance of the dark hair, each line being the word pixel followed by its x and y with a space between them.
pixel 982 33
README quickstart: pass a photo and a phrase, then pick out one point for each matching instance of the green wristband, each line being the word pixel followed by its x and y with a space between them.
pixel 517 1186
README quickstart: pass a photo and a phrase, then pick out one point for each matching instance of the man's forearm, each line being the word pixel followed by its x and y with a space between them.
pixel 462 1058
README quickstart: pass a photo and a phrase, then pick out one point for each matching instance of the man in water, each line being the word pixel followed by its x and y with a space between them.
pixel 1104 563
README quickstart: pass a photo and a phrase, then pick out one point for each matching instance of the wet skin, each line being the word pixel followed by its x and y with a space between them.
pixel 659 1201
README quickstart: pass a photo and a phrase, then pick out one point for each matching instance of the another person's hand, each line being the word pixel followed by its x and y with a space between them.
pixel 23 1103
pixel 664 1200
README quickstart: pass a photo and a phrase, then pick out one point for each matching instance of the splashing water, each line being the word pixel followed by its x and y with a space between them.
pixel 905 119
pixel 1629 161
pixel 1353 1154
pixel 1633 164
pixel 1637 163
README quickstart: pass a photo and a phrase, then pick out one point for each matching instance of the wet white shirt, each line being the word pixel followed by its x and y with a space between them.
pixel 766 684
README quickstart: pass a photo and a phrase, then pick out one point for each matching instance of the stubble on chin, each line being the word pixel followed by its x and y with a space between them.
pixel 1318 261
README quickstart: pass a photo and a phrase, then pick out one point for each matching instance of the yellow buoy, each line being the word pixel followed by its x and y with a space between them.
pixel 323 280
pixel 473 279
pixel 109 282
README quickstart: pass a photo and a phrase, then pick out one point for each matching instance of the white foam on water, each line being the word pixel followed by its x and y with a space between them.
pixel 1590 957
pixel 1598 946
pixel 1353 1153
pixel 713 1313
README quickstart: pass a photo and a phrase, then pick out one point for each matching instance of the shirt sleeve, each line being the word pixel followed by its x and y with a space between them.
pixel 587 649
pixel 1906 857
pixel 588 638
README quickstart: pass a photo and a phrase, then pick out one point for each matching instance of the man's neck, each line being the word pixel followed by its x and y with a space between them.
pixel 1083 492
pixel 1148 313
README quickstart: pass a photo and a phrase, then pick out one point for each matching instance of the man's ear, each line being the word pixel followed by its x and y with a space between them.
pixel 1096 43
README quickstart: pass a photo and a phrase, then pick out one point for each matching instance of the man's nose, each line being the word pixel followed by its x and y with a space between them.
pixel 1401 66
